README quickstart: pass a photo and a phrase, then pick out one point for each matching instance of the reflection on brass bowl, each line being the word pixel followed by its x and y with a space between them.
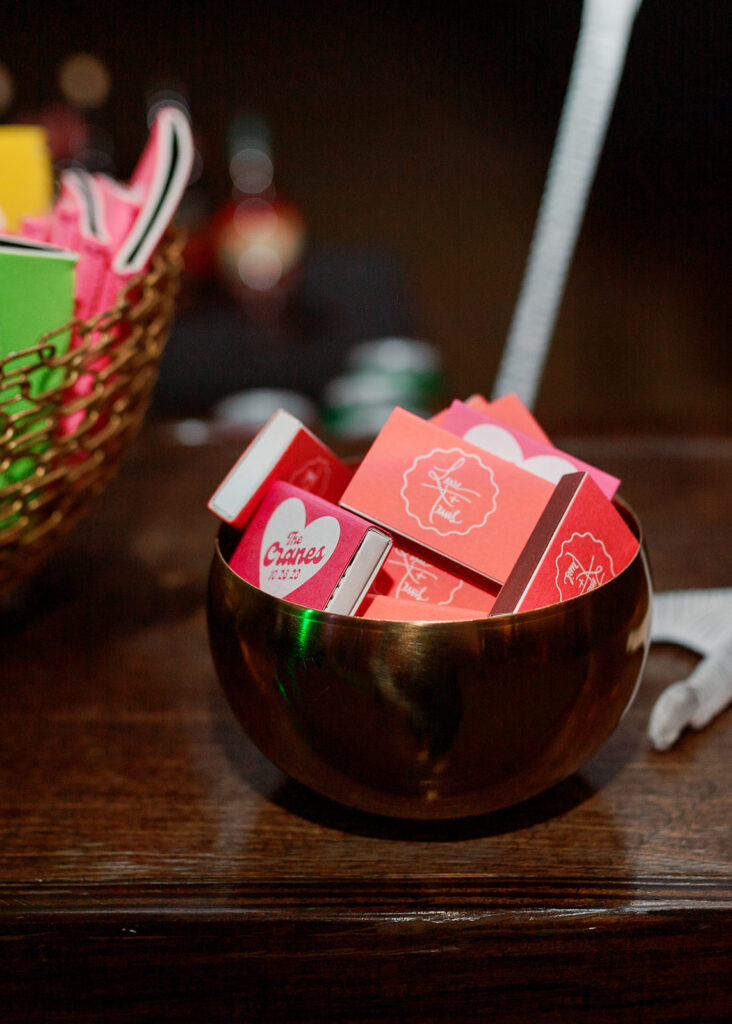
pixel 429 720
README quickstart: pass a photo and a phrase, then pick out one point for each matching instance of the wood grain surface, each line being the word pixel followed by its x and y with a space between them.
pixel 154 866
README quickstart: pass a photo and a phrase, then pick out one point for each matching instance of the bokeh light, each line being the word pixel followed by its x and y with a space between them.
pixel 260 267
pixel 84 80
pixel 255 218
pixel 251 170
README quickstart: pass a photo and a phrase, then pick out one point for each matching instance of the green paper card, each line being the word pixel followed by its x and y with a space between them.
pixel 36 296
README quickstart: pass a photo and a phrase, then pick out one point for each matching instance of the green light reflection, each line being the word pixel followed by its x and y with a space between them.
pixel 304 631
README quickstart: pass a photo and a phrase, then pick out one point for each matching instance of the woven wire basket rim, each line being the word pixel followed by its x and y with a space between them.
pixel 61 440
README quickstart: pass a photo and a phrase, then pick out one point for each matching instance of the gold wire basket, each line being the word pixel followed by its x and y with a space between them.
pixel 60 446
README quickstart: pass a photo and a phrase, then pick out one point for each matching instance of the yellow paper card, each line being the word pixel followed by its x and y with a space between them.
pixel 26 173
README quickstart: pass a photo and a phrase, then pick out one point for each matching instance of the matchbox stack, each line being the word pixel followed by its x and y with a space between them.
pixel 473 513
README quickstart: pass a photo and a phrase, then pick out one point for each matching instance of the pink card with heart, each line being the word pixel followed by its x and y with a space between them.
pixel 509 409
pixel 304 549
pixel 507 442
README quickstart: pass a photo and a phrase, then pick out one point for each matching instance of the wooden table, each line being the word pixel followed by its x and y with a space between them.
pixel 154 866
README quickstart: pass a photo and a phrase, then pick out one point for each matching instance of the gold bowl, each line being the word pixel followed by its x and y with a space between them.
pixel 429 720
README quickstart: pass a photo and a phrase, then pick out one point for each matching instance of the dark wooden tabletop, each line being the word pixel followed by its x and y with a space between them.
pixel 154 866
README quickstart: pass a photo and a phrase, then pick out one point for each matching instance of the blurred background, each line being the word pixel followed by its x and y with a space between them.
pixel 392 157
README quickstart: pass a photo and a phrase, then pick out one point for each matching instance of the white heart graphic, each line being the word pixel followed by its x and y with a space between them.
pixel 287 543
pixel 502 443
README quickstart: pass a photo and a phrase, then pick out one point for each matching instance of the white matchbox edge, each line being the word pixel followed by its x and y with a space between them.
pixel 254 466
pixel 360 572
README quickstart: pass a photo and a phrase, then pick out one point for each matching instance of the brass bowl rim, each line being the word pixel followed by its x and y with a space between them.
pixel 483 621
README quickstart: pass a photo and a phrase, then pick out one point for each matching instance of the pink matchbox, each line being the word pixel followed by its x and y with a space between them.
pixel 509 409
pixel 284 449
pixel 307 550
pixel 449 496
pixel 407 575
pixel 505 441
pixel 579 543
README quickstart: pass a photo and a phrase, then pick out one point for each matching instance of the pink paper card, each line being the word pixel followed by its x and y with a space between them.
pixel 65 217
pixel 377 607
pixel 409 575
pixel 80 193
pixel 120 204
pixel 579 543
pixel 440 492
pixel 284 449
pixel 508 443
pixel 144 170
pixel 87 199
pixel 161 176
pixel 36 226
pixel 308 551
pixel 117 228
pixel 78 213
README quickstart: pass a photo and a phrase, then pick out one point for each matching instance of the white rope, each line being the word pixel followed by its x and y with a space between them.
pixel 596 69
pixel 702 621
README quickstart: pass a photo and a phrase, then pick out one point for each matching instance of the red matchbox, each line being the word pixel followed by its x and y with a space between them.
pixel 449 496
pixel 284 449
pixel 377 607
pixel 408 575
pixel 579 543
pixel 306 550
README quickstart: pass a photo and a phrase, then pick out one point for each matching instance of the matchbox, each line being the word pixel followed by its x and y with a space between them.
pixel 579 543
pixel 307 550
pixel 378 607
pixel 284 449
pixel 505 441
pixel 445 494
pixel 509 409
pixel 408 575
